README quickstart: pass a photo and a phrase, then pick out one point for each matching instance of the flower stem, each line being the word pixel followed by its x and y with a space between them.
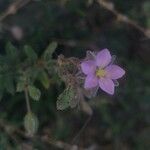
pixel 27 100
pixel 81 130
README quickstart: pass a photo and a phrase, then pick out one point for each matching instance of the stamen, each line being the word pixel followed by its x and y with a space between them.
pixel 100 73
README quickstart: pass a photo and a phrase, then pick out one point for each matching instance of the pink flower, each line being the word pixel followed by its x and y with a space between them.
pixel 101 72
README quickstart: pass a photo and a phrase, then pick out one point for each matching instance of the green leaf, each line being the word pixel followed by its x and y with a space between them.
pixel 65 98
pixel 11 51
pixel 34 93
pixel 146 8
pixel 20 86
pixel 33 72
pixel 31 54
pixel 9 85
pixel 49 51
pixel 31 124
pixel 43 78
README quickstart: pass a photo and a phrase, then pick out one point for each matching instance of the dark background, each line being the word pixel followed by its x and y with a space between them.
pixel 119 122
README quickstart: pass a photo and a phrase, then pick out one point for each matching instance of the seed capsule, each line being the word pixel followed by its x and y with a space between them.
pixel 31 124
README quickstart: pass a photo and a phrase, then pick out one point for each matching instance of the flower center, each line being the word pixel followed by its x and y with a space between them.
pixel 100 73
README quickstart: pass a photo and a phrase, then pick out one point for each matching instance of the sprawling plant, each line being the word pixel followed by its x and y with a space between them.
pixel 19 70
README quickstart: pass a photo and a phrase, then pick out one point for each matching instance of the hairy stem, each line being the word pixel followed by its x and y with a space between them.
pixel 123 18
pixel 81 130
pixel 13 8
pixel 27 100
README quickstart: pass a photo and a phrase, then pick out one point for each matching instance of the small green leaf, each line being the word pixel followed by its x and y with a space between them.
pixel 11 51
pixel 43 77
pixel 33 72
pixel 49 51
pixel 34 93
pixel 31 124
pixel 146 8
pixel 20 86
pixel 9 84
pixel 31 54
pixel 65 98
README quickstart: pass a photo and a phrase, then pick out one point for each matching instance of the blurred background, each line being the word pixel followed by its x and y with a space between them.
pixel 119 122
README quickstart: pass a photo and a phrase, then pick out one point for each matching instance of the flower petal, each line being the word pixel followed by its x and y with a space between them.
pixel 107 85
pixel 91 81
pixel 103 58
pixel 88 67
pixel 114 72
pixel 90 93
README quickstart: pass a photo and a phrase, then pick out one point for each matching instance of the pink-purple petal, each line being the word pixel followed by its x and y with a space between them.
pixel 91 81
pixel 107 85
pixel 91 92
pixel 88 67
pixel 103 58
pixel 114 72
